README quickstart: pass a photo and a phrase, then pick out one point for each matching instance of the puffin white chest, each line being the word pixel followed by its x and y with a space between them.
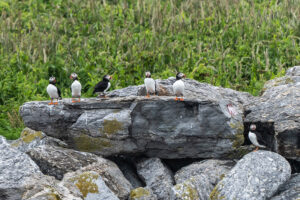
pixel 253 138
pixel 150 85
pixel 178 88
pixel 108 86
pixel 76 89
pixel 52 91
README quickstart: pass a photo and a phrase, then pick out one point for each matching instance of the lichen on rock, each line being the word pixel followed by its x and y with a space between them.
pixel 85 182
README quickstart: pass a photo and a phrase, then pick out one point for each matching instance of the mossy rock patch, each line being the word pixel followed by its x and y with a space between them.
pixel 28 136
pixel 112 126
pixel 91 144
pixel 86 183
pixel 139 192
pixel 186 191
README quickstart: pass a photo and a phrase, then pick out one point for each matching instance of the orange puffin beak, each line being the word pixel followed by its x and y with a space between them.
pixel 110 77
pixel 71 77
pixel 184 75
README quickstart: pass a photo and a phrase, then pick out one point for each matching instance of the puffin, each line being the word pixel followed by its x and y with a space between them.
pixel 102 86
pixel 178 86
pixel 255 137
pixel 53 91
pixel 75 88
pixel 149 84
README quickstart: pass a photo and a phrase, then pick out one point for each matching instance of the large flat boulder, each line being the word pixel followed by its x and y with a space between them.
pixel 277 114
pixel 208 124
pixel 257 176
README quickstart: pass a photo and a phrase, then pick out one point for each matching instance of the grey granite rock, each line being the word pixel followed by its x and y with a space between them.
pixel 142 193
pixel 196 187
pixel 289 190
pixel 156 176
pixel 278 110
pixel 42 187
pixel 256 176
pixel 127 166
pixel 15 167
pixel 89 184
pixel 213 169
pixel 112 176
pixel 30 139
pixel 56 161
pixel 293 71
pixel 200 127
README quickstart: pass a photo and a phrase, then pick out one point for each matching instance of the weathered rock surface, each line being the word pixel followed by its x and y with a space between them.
pixel 196 187
pixel 277 112
pixel 213 169
pixel 157 177
pixel 256 176
pixel 142 193
pixel 112 176
pixel 42 187
pixel 90 185
pixel 208 124
pixel 56 161
pixel 30 139
pixel 15 167
pixel 289 190
pixel 127 166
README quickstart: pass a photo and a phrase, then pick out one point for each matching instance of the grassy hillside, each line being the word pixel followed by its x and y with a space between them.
pixel 231 43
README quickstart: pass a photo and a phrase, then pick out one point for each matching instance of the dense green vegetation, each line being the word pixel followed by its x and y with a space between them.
pixel 231 43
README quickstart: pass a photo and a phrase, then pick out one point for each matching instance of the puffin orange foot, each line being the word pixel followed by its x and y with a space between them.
pixel 181 99
pixel 51 103
pixel 73 101
pixel 55 103
pixel 255 149
pixel 176 99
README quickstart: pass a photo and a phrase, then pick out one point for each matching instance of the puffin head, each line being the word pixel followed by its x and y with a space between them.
pixel 107 78
pixel 52 80
pixel 252 127
pixel 148 75
pixel 179 76
pixel 74 76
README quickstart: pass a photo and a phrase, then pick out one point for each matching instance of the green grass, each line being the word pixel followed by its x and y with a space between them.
pixel 230 43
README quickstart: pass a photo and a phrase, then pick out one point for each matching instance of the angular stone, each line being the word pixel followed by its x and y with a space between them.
pixel 277 114
pixel 42 187
pixel 89 184
pixel 30 139
pixel 15 167
pixel 256 176
pixel 289 190
pixel 156 176
pixel 213 169
pixel 141 193
pixel 111 175
pixel 56 161
pixel 196 187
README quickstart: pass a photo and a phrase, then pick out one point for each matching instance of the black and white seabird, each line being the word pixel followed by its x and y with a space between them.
pixel 178 87
pixel 149 84
pixel 53 91
pixel 75 88
pixel 102 86
pixel 255 137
